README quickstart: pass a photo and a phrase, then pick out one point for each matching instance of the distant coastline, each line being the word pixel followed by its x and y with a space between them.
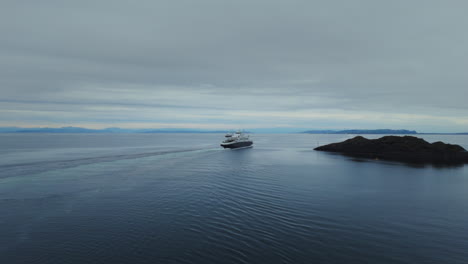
pixel 71 130
pixel 379 132
pixel 62 130
pixel 364 131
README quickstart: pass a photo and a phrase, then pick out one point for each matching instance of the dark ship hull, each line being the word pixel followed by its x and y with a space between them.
pixel 234 145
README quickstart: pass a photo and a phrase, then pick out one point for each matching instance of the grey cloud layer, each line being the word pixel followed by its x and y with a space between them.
pixel 208 61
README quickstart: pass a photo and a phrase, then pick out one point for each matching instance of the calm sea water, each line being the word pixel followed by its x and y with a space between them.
pixel 179 198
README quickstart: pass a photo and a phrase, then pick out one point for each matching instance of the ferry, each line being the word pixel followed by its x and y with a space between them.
pixel 236 140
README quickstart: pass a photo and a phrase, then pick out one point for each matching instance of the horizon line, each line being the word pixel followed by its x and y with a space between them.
pixel 14 129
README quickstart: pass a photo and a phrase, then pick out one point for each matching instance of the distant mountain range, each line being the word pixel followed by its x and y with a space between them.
pixel 377 132
pixel 105 130
pixel 364 131
pixel 183 130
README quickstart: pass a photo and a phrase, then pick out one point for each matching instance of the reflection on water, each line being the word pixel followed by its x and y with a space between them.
pixel 183 199
pixel 400 163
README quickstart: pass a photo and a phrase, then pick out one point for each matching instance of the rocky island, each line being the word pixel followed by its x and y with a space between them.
pixel 405 148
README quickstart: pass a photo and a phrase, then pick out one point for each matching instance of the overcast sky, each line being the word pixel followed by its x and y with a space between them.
pixel 235 64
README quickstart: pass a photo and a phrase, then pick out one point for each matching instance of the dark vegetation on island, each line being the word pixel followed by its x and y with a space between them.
pixel 406 149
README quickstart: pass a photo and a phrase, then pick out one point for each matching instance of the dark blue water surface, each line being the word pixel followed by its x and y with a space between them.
pixel 180 198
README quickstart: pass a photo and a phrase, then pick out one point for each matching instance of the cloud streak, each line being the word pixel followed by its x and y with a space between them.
pixel 304 64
